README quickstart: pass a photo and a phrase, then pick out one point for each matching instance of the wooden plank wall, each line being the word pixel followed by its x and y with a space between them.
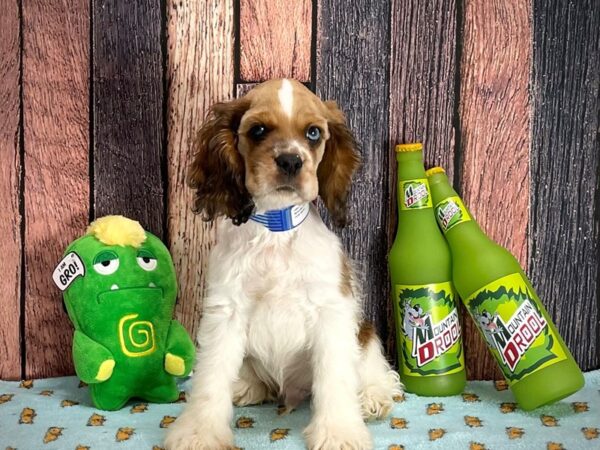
pixel 200 72
pixel 128 133
pixel 565 164
pixel 55 96
pixel 10 191
pixel 494 135
pixel 275 40
pixel 350 34
pixel 422 92
pixel 99 102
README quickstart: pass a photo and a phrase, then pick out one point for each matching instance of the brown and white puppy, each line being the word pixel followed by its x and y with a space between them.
pixel 282 315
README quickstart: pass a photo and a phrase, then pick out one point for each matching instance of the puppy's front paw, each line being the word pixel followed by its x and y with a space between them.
pixel 375 403
pixel 188 433
pixel 377 400
pixel 330 435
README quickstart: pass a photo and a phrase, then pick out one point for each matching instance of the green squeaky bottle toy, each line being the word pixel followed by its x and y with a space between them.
pixel 430 354
pixel 518 330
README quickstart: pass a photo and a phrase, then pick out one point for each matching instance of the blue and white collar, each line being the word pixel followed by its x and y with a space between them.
pixel 283 219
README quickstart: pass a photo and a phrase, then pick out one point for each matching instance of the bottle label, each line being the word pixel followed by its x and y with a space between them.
pixel 415 194
pixel 514 328
pixel 450 212
pixel 428 329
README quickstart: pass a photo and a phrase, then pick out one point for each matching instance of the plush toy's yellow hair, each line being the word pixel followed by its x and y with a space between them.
pixel 117 230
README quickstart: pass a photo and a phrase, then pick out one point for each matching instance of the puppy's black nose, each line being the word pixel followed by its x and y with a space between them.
pixel 289 163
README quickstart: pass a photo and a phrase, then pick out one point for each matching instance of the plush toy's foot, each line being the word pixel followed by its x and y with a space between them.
pixel 164 393
pixel 107 399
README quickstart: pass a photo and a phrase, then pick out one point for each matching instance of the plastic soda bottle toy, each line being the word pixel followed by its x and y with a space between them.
pixel 518 330
pixel 430 353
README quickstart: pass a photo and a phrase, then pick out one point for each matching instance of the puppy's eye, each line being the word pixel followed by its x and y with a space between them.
pixel 313 134
pixel 257 132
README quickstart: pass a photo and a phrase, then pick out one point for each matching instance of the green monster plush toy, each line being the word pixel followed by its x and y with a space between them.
pixel 119 287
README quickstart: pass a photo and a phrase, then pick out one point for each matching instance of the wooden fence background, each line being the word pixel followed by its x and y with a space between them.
pixel 98 102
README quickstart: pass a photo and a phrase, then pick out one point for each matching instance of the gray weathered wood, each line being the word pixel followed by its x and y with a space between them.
pixel 353 40
pixel 565 157
pixel 242 89
pixel 128 111
pixel 422 91
pixel 422 78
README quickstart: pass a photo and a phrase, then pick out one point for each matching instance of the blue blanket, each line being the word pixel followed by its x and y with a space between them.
pixel 56 414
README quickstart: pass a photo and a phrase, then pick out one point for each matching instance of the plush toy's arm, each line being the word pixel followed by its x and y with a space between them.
pixel 180 351
pixel 94 363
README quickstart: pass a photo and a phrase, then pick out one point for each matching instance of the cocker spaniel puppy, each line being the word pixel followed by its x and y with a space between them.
pixel 282 315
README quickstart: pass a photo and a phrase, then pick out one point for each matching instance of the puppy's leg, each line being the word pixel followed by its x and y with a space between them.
pixel 204 423
pixel 337 422
pixel 248 389
pixel 379 384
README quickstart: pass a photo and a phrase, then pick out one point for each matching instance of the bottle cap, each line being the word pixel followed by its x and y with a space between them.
pixel 412 147
pixel 434 170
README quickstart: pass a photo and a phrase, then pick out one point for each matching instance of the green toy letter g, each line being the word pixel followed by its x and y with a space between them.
pixel 136 336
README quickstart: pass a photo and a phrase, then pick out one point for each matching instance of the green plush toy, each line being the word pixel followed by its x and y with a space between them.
pixel 119 287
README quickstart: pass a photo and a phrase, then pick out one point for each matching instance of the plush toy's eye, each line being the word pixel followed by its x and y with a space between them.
pixel 146 260
pixel 106 262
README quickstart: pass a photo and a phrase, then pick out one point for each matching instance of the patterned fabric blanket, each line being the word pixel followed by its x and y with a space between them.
pixel 56 414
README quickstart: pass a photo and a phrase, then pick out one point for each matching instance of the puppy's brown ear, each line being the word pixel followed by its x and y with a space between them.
pixel 340 161
pixel 217 171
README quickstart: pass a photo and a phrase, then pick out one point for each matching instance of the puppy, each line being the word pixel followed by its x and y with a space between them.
pixel 282 316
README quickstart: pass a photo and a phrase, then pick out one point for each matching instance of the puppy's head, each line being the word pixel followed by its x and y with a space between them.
pixel 279 145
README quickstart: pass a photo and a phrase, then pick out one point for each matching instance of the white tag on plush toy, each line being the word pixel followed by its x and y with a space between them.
pixel 68 269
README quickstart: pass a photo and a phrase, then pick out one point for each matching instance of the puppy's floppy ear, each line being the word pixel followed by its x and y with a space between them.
pixel 340 161
pixel 217 170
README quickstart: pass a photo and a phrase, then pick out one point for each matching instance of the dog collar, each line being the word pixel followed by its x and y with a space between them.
pixel 283 219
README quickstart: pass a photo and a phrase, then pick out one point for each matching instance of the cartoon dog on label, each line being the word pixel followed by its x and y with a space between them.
pixel 487 322
pixel 413 318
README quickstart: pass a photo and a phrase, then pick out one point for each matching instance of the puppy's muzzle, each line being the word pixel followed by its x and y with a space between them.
pixel 289 163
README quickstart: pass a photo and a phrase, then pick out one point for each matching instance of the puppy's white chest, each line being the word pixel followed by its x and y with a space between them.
pixel 278 334
pixel 280 314
pixel 281 311
pixel 280 282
